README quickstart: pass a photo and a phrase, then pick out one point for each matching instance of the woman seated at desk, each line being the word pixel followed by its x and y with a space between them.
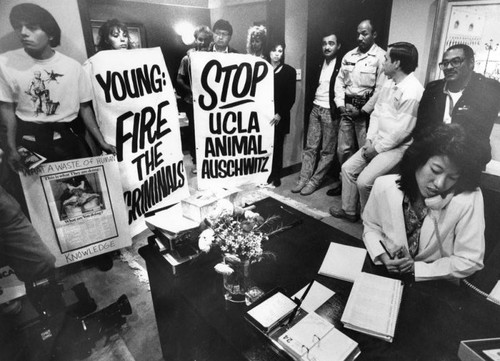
pixel 431 216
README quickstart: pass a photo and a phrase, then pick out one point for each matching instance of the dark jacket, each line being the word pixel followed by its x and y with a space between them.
pixel 229 49
pixel 312 90
pixel 476 110
pixel 284 96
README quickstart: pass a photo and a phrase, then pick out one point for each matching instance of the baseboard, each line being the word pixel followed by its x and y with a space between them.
pixel 291 169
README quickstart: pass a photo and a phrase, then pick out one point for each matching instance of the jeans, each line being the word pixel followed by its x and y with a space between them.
pixel 352 136
pixel 20 245
pixel 358 176
pixel 322 132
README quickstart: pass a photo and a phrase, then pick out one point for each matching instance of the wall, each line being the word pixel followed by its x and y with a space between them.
pixel 66 14
pixel 296 49
pixel 241 17
pixel 420 14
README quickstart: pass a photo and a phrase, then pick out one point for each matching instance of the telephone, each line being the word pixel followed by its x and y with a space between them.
pixel 482 293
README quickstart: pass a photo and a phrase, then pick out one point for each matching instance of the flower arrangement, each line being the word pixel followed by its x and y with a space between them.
pixel 237 232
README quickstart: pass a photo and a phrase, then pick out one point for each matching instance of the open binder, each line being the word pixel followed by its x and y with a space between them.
pixel 308 336
pixel 314 338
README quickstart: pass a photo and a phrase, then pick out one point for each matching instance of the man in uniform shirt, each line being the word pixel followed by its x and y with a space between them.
pixel 323 123
pixel 360 78
pixel 389 135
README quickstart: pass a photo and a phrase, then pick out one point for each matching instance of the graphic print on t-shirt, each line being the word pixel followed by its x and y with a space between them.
pixel 40 94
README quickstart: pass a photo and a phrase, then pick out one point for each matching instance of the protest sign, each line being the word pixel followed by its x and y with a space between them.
pixel 233 108
pixel 136 110
pixel 77 208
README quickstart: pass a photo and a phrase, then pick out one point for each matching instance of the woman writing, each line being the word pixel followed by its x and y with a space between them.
pixel 430 218
pixel 284 97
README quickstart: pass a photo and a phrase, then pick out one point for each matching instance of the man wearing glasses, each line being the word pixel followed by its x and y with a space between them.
pixel 222 36
pixel 463 96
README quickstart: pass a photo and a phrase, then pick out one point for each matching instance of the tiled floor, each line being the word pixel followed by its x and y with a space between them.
pixel 138 340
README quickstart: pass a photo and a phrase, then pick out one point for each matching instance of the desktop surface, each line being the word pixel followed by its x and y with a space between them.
pixel 195 322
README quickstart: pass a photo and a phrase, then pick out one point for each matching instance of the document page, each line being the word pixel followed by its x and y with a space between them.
pixel 343 262
pixel 318 294
pixel 272 310
pixel 303 335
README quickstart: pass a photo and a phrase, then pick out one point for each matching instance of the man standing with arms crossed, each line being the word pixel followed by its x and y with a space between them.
pixel 360 78
pixel 323 123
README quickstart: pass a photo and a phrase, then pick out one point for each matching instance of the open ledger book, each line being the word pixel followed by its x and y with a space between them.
pixel 373 306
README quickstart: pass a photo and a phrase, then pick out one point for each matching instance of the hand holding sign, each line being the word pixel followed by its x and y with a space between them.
pixel 233 109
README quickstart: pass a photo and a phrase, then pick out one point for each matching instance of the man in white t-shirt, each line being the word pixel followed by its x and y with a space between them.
pixel 43 93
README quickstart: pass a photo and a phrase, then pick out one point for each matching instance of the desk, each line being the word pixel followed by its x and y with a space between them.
pixel 195 322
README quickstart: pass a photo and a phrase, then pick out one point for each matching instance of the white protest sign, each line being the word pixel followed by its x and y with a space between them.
pixel 77 207
pixel 137 111
pixel 233 108
pixel 10 286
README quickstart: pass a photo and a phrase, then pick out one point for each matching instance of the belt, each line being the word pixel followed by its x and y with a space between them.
pixel 356 100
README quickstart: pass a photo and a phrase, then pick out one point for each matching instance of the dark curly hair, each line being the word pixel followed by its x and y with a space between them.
pixel 106 29
pixel 36 15
pixel 451 140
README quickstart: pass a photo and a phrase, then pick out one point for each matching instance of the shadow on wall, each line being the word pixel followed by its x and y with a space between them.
pixel 9 42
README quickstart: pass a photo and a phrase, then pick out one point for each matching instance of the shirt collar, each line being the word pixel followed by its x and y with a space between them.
pixel 370 52
pixel 404 83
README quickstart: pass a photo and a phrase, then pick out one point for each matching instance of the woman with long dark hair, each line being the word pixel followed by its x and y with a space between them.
pixel 430 217
pixel 284 98
pixel 113 35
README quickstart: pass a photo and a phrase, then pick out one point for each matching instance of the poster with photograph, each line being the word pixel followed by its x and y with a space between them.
pixel 233 99
pixel 76 207
pixel 136 109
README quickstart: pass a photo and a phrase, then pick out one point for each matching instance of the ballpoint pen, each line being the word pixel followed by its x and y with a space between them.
pixel 386 250
pixel 294 312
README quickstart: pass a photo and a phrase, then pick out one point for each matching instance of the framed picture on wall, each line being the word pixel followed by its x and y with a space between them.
pixel 136 33
pixel 471 22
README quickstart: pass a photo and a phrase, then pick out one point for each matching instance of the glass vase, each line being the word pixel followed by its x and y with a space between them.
pixel 237 283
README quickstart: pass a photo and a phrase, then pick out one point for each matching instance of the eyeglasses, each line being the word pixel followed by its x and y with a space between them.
pixel 222 34
pixel 455 63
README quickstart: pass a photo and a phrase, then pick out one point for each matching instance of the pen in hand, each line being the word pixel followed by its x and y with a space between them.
pixel 386 250
pixel 398 254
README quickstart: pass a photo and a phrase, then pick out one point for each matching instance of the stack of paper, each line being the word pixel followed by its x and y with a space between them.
pixel 373 306
pixel 343 262
pixel 269 313
pixel 171 221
